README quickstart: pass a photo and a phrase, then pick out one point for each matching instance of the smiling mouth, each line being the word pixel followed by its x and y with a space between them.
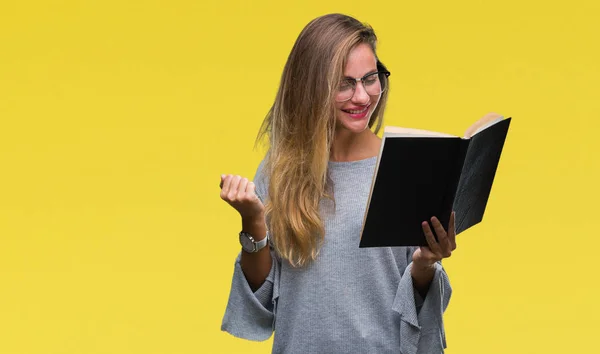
pixel 356 111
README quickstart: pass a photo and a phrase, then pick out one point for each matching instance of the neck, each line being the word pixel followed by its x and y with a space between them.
pixel 348 146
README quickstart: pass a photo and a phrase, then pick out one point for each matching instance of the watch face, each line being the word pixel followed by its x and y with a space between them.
pixel 246 242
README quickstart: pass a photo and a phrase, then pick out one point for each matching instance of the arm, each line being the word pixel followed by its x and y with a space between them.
pixel 256 266
pixel 240 194
pixel 250 311
pixel 422 277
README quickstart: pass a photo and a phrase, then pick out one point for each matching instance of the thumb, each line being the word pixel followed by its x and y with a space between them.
pixel 426 251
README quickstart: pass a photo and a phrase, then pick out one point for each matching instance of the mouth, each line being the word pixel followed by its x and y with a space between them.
pixel 357 114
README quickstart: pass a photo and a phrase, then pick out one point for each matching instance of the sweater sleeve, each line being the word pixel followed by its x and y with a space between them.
pixel 251 315
pixel 421 320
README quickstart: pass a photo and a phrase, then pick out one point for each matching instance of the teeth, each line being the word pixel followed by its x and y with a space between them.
pixel 357 112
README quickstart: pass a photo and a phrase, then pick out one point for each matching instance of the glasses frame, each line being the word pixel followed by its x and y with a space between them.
pixel 380 71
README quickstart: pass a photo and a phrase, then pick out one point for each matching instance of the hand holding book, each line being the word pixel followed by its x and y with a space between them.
pixel 436 249
pixel 425 258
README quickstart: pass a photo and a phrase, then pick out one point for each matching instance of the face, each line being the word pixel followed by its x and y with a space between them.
pixel 354 114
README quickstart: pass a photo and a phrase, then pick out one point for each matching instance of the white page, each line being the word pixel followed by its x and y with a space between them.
pixel 487 121
pixel 408 132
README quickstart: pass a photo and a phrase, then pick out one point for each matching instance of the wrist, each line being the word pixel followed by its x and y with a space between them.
pixel 423 266
pixel 255 225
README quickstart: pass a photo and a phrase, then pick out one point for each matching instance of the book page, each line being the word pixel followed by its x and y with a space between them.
pixel 406 132
pixel 485 122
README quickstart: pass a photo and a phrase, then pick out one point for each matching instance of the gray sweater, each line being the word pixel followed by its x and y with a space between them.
pixel 350 300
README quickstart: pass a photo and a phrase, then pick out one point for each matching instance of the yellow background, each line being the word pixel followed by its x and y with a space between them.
pixel 117 118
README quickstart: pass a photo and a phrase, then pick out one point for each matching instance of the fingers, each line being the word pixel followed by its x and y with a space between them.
pixel 433 244
pixel 229 191
pixel 225 183
pixel 443 240
pixel 446 241
pixel 452 231
pixel 241 190
pixel 237 189
pixel 250 188
pixel 233 188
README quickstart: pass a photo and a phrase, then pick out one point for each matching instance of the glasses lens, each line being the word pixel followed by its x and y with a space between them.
pixel 375 83
pixel 345 90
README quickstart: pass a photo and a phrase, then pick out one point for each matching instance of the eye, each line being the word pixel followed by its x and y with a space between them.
pixel 346 85
pixel 371 79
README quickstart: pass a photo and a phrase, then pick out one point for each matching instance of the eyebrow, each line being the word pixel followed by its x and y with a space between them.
pixel 368 73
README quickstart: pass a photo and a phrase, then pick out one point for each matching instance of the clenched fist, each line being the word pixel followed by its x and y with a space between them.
pixel 239 193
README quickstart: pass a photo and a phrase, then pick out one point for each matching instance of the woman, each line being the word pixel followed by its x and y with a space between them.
pixel 313 286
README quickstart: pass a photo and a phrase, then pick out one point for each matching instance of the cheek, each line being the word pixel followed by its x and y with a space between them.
pixel 375 100
pixel 338 111
pixel 374 103
pixel 338 116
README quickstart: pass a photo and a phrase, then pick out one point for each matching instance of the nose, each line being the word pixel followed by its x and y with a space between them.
pixel 360 96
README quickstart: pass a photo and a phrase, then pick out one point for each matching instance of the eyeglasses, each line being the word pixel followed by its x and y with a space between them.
pixel 374 83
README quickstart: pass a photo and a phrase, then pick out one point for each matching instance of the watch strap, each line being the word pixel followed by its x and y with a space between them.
pixel 262 243
pixel 258 245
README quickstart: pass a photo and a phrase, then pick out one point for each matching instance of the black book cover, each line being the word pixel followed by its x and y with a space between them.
pixel 419 177
pixel 479 170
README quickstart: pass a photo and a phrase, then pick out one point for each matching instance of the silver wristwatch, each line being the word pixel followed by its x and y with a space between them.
pixel 250 245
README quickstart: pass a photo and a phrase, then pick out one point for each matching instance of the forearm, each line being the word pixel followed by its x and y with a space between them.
pixel 256 266
pixel 422 277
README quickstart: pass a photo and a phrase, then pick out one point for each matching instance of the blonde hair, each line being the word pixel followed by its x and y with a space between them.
pixel 301 126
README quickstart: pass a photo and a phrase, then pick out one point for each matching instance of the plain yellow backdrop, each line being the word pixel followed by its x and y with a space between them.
pixel 117 118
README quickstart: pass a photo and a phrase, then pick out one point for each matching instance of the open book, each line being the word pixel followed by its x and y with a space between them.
pixel 420 174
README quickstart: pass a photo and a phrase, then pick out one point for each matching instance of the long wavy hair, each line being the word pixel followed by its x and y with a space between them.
pixel 301 125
